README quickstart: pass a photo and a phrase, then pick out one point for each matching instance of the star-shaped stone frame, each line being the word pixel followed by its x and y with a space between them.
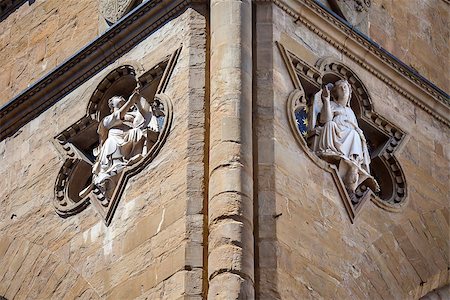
pixel 78 140
pixel 384 137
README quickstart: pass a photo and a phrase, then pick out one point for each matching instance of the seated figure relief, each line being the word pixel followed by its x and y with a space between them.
pixel 339 139
pixel 122 141
pixel 127 122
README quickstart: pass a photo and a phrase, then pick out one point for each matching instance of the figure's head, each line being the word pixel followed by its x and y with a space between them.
pixel 342 92
pixel 116 102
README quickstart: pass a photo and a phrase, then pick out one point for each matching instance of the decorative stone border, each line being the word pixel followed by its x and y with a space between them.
pixel 87 126
pixel 297 69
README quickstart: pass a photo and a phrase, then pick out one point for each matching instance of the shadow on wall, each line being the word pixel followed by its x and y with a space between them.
pixel 8 7
pixel 437 294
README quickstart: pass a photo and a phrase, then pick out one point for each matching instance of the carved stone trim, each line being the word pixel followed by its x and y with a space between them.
pixel 296 100
pixel 115 42
pixel 370 56
pixel 113 10
pixel 76 172
pixel 300 70
pixel 64 205
pixel 395 134
pixel 134 169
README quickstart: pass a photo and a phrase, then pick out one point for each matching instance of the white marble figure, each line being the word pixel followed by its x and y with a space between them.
pixel 122 140
pixel 340 138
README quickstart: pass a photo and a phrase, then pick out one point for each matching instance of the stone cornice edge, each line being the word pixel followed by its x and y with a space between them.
pixel 8 6
pixel 104 50
pixel 369 55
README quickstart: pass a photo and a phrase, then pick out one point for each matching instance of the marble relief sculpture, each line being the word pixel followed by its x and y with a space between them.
pixel 127 122
pixel 331 115
pixel 122 140
pixel 340 140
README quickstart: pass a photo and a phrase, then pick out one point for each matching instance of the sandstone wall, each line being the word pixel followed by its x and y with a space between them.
pixel 152 249
pixel 307 246
pixel 417 32
pixel 38 37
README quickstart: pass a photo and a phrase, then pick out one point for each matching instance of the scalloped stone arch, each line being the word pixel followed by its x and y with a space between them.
pixel 329 65
pixel 111 85
pixel 101 92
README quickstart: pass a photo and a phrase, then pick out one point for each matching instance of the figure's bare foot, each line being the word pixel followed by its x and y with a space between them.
pixel 351 179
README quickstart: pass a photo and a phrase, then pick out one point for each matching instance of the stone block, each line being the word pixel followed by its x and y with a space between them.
pixel 21 272
pixel 230 286
pixel 193 283
pixel 231 232
pixel 230 179
pixel 230 258
pixel 230 204
pixel 45 21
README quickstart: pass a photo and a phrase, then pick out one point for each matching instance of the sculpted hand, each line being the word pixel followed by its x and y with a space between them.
pixel 129 118
pixel 137 89
pixel 136 95
pixel 325 92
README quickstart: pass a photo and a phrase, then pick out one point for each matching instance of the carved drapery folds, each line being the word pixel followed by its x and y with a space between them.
pixel 338 139
pixel 123 130
pixel 388 187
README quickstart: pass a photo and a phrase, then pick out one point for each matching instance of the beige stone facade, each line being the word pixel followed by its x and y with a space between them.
pixel 234 204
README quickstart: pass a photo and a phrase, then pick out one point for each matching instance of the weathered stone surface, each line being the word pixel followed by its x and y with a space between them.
pixel 416 33
pixel 301 215
pixel 155 239
pixel 230 218
pixel 228 288
pixel 231 207
pixel 52 32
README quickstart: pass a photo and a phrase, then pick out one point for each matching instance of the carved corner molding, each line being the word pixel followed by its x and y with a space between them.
pixel 101 52
pixel 370 56
pixel 79 140
pixel 384 136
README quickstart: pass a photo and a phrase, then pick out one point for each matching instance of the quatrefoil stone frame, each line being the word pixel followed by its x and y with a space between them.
pixel 394 197
pixel 78 140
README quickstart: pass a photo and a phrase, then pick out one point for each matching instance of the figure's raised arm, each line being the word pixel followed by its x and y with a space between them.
pixel 135 96
pixel 325 114
pixel 142 105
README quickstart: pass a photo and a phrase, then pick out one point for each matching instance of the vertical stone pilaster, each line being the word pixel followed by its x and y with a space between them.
pixel 230 252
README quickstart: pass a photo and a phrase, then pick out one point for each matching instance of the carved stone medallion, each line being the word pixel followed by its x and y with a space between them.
pixel 113 10
pixel 383 181
pixel 127 121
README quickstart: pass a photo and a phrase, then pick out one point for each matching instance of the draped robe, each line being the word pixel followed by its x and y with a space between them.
pixel 340 137
pixel 119 140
